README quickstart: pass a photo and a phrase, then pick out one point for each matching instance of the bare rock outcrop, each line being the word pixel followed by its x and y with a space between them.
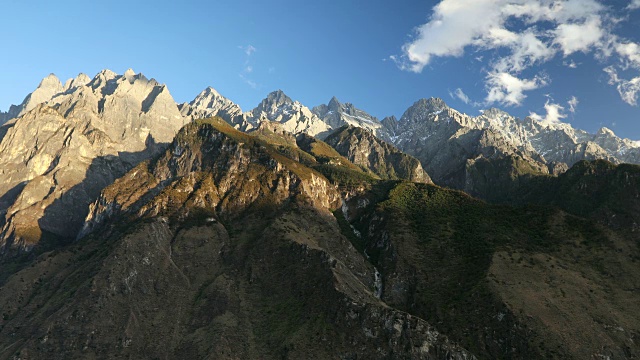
pixel 71 141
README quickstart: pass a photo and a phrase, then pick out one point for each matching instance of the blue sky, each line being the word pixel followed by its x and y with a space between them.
pixel 562 60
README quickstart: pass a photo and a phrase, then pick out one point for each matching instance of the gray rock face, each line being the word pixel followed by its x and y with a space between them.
pixel 276 107
pixel 48 87
pixel 449 143
pixel 362 148
pixel 58 155
pixel 560 142
pixel 294 117
pixel 210 103
pixel 455 147
pixel 337 114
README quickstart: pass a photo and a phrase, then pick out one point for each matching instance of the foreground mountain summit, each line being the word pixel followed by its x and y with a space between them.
pixel 286 232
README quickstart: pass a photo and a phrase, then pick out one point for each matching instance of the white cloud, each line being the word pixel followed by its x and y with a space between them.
pixel 507 89
pixel 551 27
pixel 578 37
pixel 248 68
pixel 249 49
pixel 458 24
pixel 460 95
pixel 526 50
pixel 570 64
pixel 454 25
pixel 630 53
pixel 628 89
pixel 573 104
pixel 554 114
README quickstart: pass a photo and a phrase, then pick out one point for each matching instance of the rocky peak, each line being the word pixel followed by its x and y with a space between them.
pixel 61 153
pixel 81 80
pixel 275 104
pixel 391 118
pixel 434 104
pixel 422 108
pixel 334 104
pixel 104 81
pixel 345 108
pixel 603 131
pixel 50 81
pixel 208 93
pixel 129 73
pixel 337 114
pixel 390 124
pixel 276 99
pixel 210 103
pixel 495 113
pixel 212 149
pixel 295 117
pixel 209 98
pixel 47 89
pixel 362 148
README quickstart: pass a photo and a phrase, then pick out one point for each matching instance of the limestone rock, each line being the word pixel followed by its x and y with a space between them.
pixel 55 159
pixel 209 103
pixel 294 117
pixel 449 144
pixel 337 114
pixel 362 148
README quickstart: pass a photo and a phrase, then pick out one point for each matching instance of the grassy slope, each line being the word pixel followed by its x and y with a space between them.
pixel 442 247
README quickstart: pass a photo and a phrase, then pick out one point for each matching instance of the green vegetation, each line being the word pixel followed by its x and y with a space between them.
pixel 449 238
pixel 593 189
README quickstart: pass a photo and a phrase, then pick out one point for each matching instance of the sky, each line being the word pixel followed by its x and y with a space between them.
pixel 574 61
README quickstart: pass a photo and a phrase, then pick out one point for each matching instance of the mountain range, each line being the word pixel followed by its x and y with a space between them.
pixel 134 226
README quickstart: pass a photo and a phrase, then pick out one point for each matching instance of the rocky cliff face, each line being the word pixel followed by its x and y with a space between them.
pixel 61 152
pixel 559 142
pixel 337 115
pixel 362 148
pixel 450 145
pixel 294 117
pixel 209 103
pixel 217 168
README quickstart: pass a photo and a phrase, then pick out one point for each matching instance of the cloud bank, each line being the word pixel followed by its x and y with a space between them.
pixel 525 34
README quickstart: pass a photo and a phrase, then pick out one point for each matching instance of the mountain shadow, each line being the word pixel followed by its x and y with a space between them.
pixel 63 218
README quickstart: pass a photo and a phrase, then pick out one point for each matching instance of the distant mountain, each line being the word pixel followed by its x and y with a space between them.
pixel 362 148
pixel 538 143
pixel 71 141
pixel 337 114
pixel 293 116
pixel 210 103
pixel 455 151
pixel 560 142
